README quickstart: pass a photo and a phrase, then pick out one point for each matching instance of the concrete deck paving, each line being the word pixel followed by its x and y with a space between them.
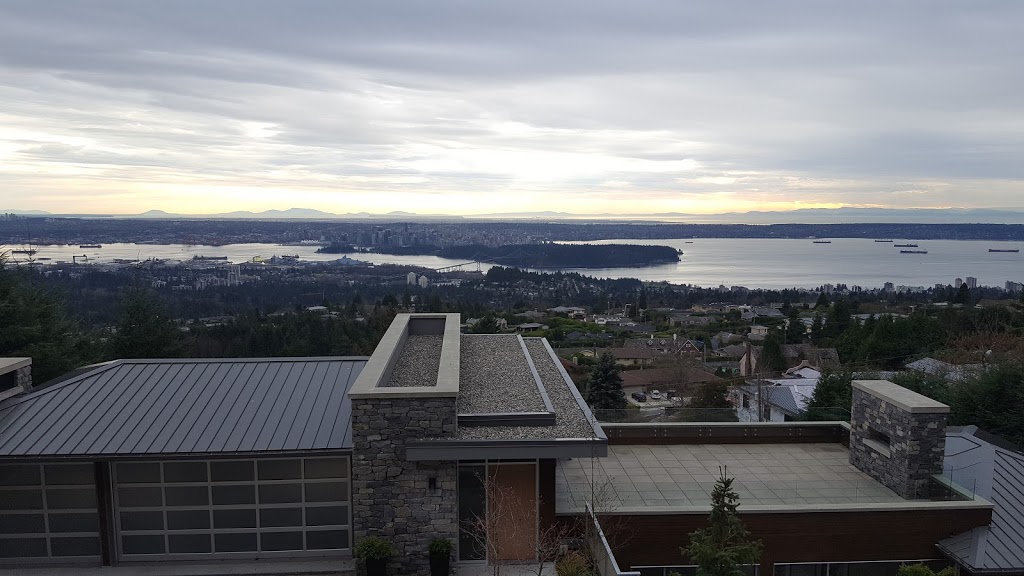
pixel 682 476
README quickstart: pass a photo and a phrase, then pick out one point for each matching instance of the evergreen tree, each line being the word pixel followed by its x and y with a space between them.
pixel 832 397
pixel 724 547
pixel 963 295
pixel 486 325
pixel 142 329
pixel 604 387
pixel 772 356
pixel 794 327
pixel 712 401
pixel 822 301
pixel 817 328
pixel 34 323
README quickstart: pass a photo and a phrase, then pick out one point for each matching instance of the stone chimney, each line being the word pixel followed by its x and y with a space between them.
pixel 15 376
pixel 897 436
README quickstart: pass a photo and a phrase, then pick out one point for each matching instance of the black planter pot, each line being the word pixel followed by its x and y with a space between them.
pixel 439 565
pixel 377 567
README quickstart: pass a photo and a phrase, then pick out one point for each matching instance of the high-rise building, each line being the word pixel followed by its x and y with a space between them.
pixel 959 282
pixel 410 278
pixel 972 282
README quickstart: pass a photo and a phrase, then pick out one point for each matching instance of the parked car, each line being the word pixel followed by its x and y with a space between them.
pixel 639 396
pixel 655 395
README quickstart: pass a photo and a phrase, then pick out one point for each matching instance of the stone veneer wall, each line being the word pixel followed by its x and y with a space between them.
pixel 391 496
pixel 24 377
pixel 916 449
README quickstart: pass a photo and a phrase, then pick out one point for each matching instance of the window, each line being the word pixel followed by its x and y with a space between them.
pixel 239 507
pixel 48 511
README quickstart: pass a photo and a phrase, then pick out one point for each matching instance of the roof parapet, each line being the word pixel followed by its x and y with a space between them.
pixel 375 379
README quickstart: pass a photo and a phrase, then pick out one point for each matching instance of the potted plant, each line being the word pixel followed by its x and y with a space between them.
pixel 440 550
pixel 375 551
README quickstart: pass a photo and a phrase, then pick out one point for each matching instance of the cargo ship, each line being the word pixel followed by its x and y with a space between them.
pixel 91 246
pixel 913 251
pixel 822 241
pixel 883 240
pixel 905 245
pixel 1011 250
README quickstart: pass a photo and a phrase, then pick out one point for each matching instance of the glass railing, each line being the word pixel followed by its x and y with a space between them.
pixel 681 414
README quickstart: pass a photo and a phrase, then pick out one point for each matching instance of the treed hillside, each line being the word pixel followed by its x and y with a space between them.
pixel 566 255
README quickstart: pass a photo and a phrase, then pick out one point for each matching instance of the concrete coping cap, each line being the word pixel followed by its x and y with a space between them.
pixel 897 395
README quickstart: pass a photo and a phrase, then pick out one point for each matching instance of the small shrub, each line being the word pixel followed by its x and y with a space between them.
pixel 374 548
pixel 440 547
pixel 922 570
pixel 572 564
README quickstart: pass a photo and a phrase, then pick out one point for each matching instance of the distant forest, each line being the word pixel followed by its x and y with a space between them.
pixel 552 255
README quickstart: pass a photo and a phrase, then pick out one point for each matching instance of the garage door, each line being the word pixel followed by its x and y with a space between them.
pixel 232 508
pixel 48 512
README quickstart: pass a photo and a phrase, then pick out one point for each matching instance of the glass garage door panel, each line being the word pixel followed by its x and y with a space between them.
pixel 283 506
pixel 48 511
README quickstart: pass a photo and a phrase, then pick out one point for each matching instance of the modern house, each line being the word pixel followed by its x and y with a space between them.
pixel 136 462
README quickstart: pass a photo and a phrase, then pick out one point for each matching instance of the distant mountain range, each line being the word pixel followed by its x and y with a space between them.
pixel 803 216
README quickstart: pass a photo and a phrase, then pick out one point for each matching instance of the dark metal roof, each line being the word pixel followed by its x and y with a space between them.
pixel 140 407
pixel 995 473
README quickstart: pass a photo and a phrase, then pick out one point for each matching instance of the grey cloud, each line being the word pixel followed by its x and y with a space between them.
pixel 855 96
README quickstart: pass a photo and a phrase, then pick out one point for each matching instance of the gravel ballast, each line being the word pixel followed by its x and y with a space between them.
pixel 418 362
pixel 570 420
pixel 495 377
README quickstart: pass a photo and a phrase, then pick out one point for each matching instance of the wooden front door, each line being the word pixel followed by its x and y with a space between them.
pixel 512 511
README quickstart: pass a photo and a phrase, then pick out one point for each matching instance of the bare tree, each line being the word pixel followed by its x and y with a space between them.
pixel 499 523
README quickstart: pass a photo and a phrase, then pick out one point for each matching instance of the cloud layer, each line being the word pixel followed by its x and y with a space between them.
pixel 469 107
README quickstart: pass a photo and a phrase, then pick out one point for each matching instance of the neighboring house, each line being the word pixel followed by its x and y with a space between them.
pixel 632 356
pixel 683 379
pixel 570 311
pixel 795 354
pixel 994 470
pixel 758 332
pixel 784 399
pixel 691 320
pixel 945 370
pixel 530 327
pixel 533 315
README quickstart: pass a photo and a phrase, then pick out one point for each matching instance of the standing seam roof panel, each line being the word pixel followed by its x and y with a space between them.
pixel 277 433
pixel 251 409
pixel 341 434
pixel 186 380
pixel 207 418
pixel 25 412
pixel 73 436
pixel 141 387
pixel 200 402
pixel 335 409
pixel 176 417
pixel 252 436
pixel 146 418
pixel 332 381
pixel 307 408
pixel 242 399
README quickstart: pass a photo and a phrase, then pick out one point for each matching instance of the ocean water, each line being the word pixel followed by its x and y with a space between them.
pixel 709 262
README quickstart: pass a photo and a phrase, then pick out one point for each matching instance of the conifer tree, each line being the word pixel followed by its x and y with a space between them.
pixel 724 547
pixel 604 387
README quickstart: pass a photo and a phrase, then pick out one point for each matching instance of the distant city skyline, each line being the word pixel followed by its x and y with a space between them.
pixel 478 108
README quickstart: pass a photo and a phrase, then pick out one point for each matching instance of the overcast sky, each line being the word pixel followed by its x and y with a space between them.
pixel 475 107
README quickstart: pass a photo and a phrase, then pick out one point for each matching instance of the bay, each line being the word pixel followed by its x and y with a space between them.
pixel 708 262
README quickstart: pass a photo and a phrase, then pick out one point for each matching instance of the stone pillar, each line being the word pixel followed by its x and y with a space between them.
pixel 392 497
pixel 24 377
pixel 897 436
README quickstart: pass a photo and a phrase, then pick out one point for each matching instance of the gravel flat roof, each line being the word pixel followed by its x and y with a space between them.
pixel 495 377
pixel 571 421
pixel 418 362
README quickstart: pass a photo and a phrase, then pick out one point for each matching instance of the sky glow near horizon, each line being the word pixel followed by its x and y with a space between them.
pixel 480 107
